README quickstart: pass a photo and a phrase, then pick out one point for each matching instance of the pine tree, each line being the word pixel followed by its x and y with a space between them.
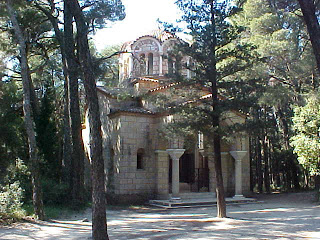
pixel 288 70
pixel 216 53
pixel 28 114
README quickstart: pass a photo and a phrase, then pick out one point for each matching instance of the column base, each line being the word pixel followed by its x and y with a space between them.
pixel 175 199
pixel 238 196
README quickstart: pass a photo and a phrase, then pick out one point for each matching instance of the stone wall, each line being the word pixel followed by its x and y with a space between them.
pixel 135 131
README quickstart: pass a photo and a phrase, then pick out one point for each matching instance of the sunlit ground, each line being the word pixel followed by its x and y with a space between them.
pixel 279 217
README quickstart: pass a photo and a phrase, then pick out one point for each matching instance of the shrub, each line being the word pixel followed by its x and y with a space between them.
pixel 11 202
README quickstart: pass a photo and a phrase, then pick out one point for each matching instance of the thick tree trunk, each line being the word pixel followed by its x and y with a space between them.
pixel 221 203
pixel 309 14
pixel 98 176
pixel 67 143
pixel 28 119
pixel 77 185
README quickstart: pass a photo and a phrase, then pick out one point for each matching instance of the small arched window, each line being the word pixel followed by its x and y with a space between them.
pixel 150 64
pixel 140 158
pixel 126 67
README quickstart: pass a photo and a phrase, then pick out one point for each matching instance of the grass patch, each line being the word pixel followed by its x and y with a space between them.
pixel 55 211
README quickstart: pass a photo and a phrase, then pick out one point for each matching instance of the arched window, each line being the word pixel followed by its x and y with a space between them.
pixel 171 65
pixel 150 64
pixel 142 60
pixel 140 158
pixel 126 67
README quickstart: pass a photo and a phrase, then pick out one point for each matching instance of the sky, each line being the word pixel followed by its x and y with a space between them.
pixel 141 18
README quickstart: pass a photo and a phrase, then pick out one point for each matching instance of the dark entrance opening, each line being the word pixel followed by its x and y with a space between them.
pixel 196 179
pixel 186 168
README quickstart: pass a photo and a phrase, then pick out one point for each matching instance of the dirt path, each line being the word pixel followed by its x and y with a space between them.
pixel 276 216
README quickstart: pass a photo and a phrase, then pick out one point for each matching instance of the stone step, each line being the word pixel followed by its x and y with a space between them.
pixel 197 195
pixel 200 202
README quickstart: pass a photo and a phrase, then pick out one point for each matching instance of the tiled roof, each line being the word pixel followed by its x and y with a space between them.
pixel 163 87
pixel 206 96
pixel 147 79
pixel 132 110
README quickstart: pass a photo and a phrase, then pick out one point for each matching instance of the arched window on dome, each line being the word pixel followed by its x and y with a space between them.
pixel 142 60
pixel 150 64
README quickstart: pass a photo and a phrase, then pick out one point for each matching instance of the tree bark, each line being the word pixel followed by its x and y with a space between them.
pixel 309 15
pixel 221 203
pixel 99 231
pixel 28 118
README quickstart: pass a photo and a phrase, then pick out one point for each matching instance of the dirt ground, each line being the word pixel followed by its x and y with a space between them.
pixel 274 216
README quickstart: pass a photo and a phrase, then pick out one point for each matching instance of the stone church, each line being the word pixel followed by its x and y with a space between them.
pixel 140 163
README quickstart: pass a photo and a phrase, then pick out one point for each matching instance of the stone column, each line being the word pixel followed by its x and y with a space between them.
pixel 130 67
pixel 175 155
pixel 188 71
pixel 162 171
pixel 238 156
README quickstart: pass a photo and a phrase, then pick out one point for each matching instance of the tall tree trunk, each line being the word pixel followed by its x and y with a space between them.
pixel 75 116
pixel 74 150
pixel 266 165
pixel 212 73
pixel 221 203
pixel 309 15
pixel 99 231
pixel 28 119
pixel 317 187
pixel 67 143
pixel 251 147
pixel 284 127
pixel 259 167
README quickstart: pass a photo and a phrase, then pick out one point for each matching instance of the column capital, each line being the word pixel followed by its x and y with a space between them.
pixel 238 155
pixel 175 154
